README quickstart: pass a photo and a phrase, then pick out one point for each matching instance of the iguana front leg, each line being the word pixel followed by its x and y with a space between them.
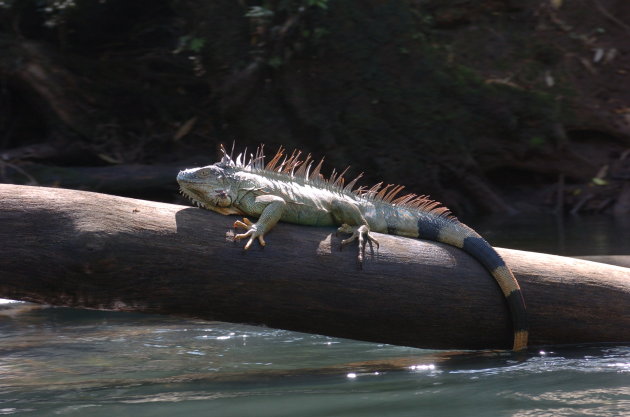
pixel 270 208
pixel 352 221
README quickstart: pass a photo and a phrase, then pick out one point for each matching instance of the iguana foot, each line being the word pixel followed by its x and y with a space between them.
pixel 252 232
pixel 362 233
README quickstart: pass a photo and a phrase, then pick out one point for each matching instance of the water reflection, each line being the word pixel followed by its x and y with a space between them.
pixel 69 362
pixel 567 235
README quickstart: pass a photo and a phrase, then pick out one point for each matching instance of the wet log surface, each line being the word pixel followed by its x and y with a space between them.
pixel 89 250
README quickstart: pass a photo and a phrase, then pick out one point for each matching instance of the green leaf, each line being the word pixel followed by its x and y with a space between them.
pixel 537 141
pixel 196 44
pixel 275 62
pixel 322 4
pixel 258 12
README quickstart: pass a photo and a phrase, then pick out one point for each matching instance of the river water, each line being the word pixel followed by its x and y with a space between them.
pixel 59 361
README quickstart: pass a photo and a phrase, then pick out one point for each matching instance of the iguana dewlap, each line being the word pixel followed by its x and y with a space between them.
pixel 291 190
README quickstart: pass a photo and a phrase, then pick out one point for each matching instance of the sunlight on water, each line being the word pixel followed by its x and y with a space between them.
pixel 57 361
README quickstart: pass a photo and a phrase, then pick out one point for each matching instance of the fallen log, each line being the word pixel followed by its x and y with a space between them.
pixel 89 250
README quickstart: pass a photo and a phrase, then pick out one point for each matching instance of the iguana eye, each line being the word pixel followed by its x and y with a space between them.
pixel 203 173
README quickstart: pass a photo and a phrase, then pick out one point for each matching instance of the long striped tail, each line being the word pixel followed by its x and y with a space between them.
pixel 458 234
pixel 484 253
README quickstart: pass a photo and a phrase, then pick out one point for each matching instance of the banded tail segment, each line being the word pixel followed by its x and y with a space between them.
pixel 457 234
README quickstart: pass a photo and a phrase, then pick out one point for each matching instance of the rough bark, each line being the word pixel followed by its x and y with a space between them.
pixel 90 250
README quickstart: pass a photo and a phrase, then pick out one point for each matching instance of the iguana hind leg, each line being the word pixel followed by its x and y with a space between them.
pixel 362 233
pixel 352 221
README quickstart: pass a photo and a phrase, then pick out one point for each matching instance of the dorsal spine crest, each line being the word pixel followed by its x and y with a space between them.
pixel 291 168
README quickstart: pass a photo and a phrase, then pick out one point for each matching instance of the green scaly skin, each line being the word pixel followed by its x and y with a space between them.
pixel 289 191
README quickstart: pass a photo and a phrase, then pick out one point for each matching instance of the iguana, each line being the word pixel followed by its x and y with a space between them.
pixel 288 188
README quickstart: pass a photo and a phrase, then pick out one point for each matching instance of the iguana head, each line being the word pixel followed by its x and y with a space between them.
pixel 209 187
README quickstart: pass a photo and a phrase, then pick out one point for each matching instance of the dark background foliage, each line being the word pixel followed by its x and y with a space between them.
pixel 491 105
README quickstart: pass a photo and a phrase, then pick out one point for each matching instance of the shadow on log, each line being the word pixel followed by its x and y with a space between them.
pixel 89 250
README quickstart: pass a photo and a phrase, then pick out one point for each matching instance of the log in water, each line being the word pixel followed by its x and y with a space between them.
pixel 89 250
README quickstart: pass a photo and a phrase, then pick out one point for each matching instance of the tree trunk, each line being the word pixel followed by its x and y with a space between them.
pixel 81 249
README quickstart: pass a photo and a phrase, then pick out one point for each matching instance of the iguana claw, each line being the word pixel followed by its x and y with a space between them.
pixel 252 232
pixel 362 233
